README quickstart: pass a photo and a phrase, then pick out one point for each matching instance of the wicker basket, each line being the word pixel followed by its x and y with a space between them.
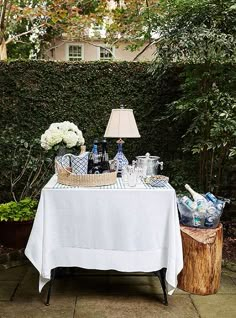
pixel 66 177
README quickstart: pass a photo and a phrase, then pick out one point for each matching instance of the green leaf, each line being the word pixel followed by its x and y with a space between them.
pixel 18 211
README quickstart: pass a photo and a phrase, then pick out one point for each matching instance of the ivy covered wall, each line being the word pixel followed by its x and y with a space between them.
pixel 34 94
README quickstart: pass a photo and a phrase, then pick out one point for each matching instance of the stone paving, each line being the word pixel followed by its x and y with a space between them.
pixel 99 294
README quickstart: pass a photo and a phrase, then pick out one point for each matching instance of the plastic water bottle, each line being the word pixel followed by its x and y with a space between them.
pixel 211 197
pixel 188 202
pixel 209 220
pixel 212 215
pixel 211 210
pixel 220 205
pixel 196 218
pixel 186 213
pixel 217 203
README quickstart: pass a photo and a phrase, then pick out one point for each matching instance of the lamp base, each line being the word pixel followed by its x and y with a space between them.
pixel 120 157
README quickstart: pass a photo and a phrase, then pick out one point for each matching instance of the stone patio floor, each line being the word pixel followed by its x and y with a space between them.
pixel 98 294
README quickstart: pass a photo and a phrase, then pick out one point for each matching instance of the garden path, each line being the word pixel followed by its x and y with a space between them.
pixel 98 294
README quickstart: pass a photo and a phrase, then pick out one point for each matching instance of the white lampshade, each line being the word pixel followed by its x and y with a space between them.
pixel 122 124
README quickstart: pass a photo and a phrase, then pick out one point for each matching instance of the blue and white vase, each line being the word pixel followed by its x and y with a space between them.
pixel 63 161
pixel 120 157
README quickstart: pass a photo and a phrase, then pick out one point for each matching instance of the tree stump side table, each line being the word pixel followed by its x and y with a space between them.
pixel 202 252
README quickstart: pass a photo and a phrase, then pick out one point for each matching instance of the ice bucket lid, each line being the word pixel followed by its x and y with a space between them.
pixel 148 157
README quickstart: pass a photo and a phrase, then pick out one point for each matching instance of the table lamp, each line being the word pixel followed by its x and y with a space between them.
pixel 121 124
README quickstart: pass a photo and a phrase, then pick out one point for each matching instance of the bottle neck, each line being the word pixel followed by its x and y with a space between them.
pixel 104 148
pixel 120 148
pixel 82 149
pixel 95 149
pixel 187 187
pixel 195 195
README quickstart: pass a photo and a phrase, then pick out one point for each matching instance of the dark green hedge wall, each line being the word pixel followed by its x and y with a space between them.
pixel 34 94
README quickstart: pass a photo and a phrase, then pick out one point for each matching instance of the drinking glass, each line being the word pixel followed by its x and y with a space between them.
pixel 124 174
pixel 132 176
pixel 140 174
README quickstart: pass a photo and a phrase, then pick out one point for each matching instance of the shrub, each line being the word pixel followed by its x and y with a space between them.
pixel 23 210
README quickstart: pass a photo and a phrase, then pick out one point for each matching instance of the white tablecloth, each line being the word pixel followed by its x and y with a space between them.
pixel 126 229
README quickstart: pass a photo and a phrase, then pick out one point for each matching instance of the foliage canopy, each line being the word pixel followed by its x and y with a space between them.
pixel 201 34
pixel 196 31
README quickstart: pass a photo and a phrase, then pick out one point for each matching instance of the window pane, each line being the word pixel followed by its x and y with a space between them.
pixel 105 54
pixel 75 53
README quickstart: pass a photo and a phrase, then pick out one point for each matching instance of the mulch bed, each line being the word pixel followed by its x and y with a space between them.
pixel 229 244
pixel 229 249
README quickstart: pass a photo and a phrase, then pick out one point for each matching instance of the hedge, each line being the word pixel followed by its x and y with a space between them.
pixel 34 94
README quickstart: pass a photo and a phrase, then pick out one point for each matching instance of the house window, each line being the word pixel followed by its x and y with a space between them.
pixel 106 55
pixel 75 52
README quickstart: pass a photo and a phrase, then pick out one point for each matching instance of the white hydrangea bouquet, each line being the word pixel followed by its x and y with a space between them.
pixel 65 134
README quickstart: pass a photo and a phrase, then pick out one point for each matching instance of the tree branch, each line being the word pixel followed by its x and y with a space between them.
pixel 143 50
pixel 20 41
pixel 56 46
pixel 17 179
pixel 26 185
pixel 8 14
pixel 103 47
pixel 11 178
pixel 9 40
pixel 149 22
pixel 2 17
pixel 37 174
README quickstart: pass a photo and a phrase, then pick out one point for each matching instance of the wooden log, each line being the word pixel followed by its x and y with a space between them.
pixel 202 252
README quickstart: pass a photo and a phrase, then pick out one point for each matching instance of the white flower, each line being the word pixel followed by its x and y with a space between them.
pixel 65 132
pixel 65 126
pixel 50 138
pixel 70 139
pixel 44 141
pixel 54 126
pixel 73 127
pixel 54 137
pixel 81 141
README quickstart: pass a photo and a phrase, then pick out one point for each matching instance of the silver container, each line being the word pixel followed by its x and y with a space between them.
pixel 150 164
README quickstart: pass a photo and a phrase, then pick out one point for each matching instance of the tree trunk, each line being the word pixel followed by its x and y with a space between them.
pixel 3 50
pixel 202 250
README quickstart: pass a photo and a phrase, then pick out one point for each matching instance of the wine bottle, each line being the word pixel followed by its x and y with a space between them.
pixel 96 160
pixel 105 167
pixel 198 198
pixel 91 156
pixel 96 168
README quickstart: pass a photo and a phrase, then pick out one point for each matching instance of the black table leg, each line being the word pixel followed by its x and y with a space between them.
pixel 161 274
pixel 53 273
